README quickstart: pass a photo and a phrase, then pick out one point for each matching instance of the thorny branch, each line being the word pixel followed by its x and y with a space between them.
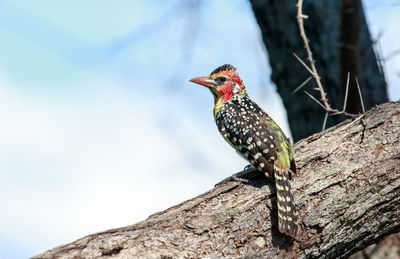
pixel 313 71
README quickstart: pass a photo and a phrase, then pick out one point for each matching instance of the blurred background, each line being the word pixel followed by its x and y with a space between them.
pixel 100 127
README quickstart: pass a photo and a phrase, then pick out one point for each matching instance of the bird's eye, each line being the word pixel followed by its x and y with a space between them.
pixel 220 80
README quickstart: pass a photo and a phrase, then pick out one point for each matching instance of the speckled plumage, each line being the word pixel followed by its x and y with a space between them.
pixel 255 136
pixel 244 125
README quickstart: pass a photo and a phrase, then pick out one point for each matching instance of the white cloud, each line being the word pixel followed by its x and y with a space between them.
pixel 71 166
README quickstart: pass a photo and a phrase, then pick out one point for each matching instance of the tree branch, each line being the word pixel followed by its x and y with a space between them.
pixel 346 191
pixel 310 58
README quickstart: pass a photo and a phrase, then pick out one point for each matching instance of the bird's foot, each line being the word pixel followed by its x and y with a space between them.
pixel 238 177
pixel 247 167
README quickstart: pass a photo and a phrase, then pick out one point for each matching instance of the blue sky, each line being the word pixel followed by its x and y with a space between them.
pixel 100 127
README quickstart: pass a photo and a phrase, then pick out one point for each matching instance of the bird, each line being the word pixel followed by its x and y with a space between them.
pixel 255 136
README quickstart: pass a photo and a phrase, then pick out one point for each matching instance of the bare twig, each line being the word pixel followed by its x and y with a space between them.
pixel 304 64
pixel 325 119
pixel 312 97
pixel 361 99
pixel 347 91
pixel 351 123
pixel 302 84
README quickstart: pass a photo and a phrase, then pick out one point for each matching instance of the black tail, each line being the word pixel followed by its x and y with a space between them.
pixel 286 210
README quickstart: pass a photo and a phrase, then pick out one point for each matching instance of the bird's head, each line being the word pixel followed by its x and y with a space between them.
pixel 224 83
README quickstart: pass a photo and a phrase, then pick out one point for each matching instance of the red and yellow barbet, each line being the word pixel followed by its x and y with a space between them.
pixel 256 137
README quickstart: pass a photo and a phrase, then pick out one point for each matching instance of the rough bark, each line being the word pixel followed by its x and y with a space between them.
pixel 347 192
pixel 389 247
pixel 280 33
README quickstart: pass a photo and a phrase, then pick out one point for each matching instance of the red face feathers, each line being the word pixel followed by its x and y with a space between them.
pixel 224 83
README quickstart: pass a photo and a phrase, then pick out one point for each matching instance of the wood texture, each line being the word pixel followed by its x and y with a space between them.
pixel 347 192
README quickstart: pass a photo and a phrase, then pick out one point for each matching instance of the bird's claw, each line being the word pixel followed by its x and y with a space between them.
pixel 247 167
pixel 238 177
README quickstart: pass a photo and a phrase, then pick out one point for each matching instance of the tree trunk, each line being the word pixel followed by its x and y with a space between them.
pixel 346 191
pixel 279 28
pixel 350 53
